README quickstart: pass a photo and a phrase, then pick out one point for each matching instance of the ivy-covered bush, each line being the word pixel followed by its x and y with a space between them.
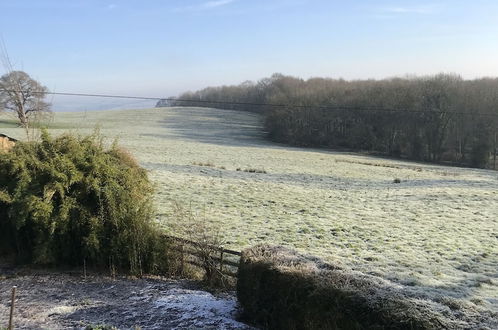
pixel 69 200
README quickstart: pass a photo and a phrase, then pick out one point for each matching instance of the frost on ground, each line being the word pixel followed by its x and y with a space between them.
pixel 436 231
pixel 200 309
pixel 58 301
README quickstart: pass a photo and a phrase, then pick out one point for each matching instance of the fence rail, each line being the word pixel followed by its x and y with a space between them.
pixel 208 257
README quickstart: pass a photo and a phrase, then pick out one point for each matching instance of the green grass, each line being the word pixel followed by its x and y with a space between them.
pixel 6 123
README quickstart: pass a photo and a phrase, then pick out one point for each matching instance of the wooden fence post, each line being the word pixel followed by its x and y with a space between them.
pixel 221 262
pixel 182 260
pixel 12 304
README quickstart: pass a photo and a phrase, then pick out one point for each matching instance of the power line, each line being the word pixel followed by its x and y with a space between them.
pixel 256 104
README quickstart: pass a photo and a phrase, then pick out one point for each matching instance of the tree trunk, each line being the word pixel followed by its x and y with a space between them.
pixel 494 152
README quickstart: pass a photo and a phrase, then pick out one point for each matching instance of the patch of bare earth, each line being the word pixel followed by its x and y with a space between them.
pixel 55 301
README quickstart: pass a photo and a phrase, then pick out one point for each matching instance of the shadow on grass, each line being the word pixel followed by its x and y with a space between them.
pixel 320 181
pixel 6 123
pixel 220 127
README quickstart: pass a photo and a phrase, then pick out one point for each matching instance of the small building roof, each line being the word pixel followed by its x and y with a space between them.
pixel 7 137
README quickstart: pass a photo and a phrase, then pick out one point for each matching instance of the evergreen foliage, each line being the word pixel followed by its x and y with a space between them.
pixel 68 199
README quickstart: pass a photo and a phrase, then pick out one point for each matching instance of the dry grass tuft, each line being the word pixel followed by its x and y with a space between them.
pixel 204 164
pixel 252 170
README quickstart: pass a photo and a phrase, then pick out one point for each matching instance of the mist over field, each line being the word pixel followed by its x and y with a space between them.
pixel 434 232
pixel 61 103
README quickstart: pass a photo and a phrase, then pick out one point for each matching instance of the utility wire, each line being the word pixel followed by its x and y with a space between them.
pixel 255 104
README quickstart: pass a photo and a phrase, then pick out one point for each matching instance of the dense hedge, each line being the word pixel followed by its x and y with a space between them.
pixel 280 289
pixel 69 199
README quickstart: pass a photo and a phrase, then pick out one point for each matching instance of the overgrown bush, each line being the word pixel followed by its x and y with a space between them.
pixel 68 199
pixel 281 289
pixel 204 249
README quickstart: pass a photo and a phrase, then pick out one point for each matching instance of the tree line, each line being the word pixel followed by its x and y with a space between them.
pixel 439 118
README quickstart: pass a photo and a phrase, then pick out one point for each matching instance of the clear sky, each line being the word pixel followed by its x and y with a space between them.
pixel 161 48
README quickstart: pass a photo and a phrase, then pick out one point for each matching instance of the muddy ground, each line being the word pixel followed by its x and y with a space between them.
pixel 48 300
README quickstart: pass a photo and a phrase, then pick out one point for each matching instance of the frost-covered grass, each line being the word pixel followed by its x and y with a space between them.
pixel 436 230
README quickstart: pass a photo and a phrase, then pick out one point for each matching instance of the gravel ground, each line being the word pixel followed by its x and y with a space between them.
pixel 62 301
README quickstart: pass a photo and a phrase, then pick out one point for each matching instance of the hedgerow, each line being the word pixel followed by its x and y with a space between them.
pixel 69 200
pixel 279 288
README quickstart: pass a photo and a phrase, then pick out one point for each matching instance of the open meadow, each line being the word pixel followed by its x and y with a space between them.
pixel 433 229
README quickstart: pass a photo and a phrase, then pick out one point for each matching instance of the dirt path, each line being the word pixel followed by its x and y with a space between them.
pixel 55 301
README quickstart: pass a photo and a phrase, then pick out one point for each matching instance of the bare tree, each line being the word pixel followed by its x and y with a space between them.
pixel 21 95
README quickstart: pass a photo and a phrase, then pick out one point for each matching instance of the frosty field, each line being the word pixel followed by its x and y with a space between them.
pixel 436 230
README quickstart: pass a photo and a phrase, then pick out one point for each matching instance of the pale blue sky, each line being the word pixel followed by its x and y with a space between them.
pixel 161 48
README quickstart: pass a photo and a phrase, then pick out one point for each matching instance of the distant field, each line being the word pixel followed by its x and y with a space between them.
pixel 436 230
pixel 7 123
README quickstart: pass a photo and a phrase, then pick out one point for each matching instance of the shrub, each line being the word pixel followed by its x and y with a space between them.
pixel 68 199
pixel 205 244
pixel 280 289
